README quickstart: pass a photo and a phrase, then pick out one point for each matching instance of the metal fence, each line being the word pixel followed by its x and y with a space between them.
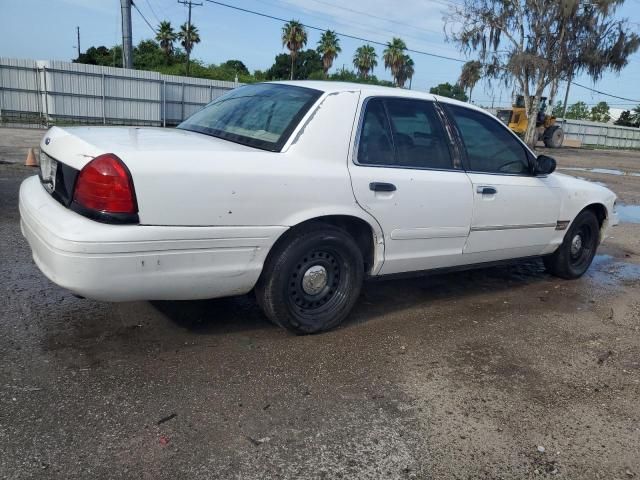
pixel 49 92
pixel 601 134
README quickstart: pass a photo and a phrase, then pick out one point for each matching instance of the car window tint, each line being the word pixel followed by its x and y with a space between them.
pixel 409 136
pixel 490 146
pixel 418 136
pixel 261 115
pixel 375 147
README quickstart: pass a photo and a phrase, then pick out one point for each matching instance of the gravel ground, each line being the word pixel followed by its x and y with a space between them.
pixel 497 373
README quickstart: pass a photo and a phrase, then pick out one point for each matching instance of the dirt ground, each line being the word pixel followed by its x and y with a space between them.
pixel 498 373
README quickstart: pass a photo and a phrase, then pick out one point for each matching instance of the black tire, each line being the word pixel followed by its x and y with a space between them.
pixel 312 280
pixel 553 137
pixel 574 255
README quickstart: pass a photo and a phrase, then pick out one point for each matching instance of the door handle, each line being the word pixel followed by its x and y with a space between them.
pixel 382 187
pixel 487 190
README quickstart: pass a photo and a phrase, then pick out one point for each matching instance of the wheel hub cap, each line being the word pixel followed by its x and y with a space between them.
pixel 576 245
pixel 314 280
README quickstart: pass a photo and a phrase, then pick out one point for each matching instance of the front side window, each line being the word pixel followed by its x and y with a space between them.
pixel 261 115
pixel 403 133
pixel 490 146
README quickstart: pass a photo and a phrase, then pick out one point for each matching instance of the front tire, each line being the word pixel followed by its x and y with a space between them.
pixel 312 280
pixel 575 254
pixel 553 137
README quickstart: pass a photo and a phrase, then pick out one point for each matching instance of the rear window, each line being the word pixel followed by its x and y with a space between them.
pixel 261 115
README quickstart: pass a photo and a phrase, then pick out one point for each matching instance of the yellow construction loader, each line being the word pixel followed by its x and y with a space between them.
pixel 548 130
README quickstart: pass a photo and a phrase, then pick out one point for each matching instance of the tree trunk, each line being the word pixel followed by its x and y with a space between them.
pixel 531 107
pixel 470 92
pixel 292 58
pixel 553 93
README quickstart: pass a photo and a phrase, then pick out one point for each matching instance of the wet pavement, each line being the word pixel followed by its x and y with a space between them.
pixel 496 373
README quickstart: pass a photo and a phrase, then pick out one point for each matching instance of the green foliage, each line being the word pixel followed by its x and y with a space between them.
pixel 237 66
pixel 626 120
pixel 451 91
pixel 600 113
pixel 578 111
pixel 557 110
pixel 305 63
pixel 365 60
pixel 394 56
pixel 328 48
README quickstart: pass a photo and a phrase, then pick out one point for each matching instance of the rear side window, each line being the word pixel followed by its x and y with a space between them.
pixel 260 115
pixel 403 133
pixel 490 146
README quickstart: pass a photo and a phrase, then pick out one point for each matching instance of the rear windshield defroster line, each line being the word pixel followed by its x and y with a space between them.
pixel 261 115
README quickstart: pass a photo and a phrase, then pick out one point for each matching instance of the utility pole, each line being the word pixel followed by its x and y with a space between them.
pixel 127 47
pixel 190 4
pixel 78 35
pixel 566 98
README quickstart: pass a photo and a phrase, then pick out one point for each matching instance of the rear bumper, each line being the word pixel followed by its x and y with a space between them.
pixel 140 262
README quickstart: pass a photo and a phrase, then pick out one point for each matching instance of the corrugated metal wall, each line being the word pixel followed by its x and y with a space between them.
pixel 46 92
pixel 600 134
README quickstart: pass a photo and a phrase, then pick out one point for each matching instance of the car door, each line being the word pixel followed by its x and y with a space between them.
pixel 515 213
pixel 403 173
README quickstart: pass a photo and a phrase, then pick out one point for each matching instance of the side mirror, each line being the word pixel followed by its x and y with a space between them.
pixel 544 165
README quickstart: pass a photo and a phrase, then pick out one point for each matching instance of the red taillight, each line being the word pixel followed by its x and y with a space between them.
pixel 104 185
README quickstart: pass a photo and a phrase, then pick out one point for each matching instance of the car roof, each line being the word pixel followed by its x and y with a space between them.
pixel 369 90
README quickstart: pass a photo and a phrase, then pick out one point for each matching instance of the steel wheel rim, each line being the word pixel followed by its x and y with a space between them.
pixel 323 295
pixel 581 247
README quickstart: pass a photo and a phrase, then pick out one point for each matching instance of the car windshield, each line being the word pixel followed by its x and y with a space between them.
pixel 261 115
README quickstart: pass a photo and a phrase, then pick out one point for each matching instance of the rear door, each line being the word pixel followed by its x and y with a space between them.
pixel 403 173
pixel 515 213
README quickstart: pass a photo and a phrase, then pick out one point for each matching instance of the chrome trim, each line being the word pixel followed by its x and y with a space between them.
pixel 491 228
pixel 562 224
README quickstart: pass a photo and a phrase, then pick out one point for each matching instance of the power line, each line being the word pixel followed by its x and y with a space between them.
pixel 346 35
pixel 420 52
pixel 152 10
pixel 144 18
pixel 607 94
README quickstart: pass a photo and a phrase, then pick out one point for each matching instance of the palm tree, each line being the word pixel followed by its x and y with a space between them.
pixel 166 36
pixel 188 38
pixel 294 37
pixel 470 75
pixel 365 60
pixel 328 48
pixel 406 71
pixel 393 57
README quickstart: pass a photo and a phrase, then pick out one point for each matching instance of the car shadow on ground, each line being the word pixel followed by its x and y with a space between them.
pixel 378 297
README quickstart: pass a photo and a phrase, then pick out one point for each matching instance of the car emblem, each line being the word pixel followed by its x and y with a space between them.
pixel 47 141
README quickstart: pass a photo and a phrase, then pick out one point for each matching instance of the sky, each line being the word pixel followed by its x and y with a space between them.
pixel 46 29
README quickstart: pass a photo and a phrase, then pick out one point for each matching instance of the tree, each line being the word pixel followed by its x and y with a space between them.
pixel 578 111
pixel 600 113
pixel 533 43
pixel 236 66
pixel 557 110
pixel 635 115
pixel 625 120
pixel 188 36
pixel 394 57
pixel 328 48
pixel 448 90
pixel 294 37
pixel 406 71
pixel 166 37
pixel 306 62
pixel 470 75
pixel 365 60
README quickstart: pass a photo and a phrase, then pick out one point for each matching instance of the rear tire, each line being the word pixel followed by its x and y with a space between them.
pixel 553 137
pixel 312 280
pixel 574 256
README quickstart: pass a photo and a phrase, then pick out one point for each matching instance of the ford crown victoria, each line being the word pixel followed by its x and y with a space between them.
pixel 299 191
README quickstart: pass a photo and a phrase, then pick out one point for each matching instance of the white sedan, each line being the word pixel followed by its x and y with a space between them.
pixel 299 191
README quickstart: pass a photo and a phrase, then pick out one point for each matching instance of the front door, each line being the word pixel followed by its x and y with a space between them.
pixel 403 175
pixel 514 212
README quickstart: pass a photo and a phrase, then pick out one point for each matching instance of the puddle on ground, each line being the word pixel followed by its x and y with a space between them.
pixel 607 270
pixel 606 171
pixel 628 213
